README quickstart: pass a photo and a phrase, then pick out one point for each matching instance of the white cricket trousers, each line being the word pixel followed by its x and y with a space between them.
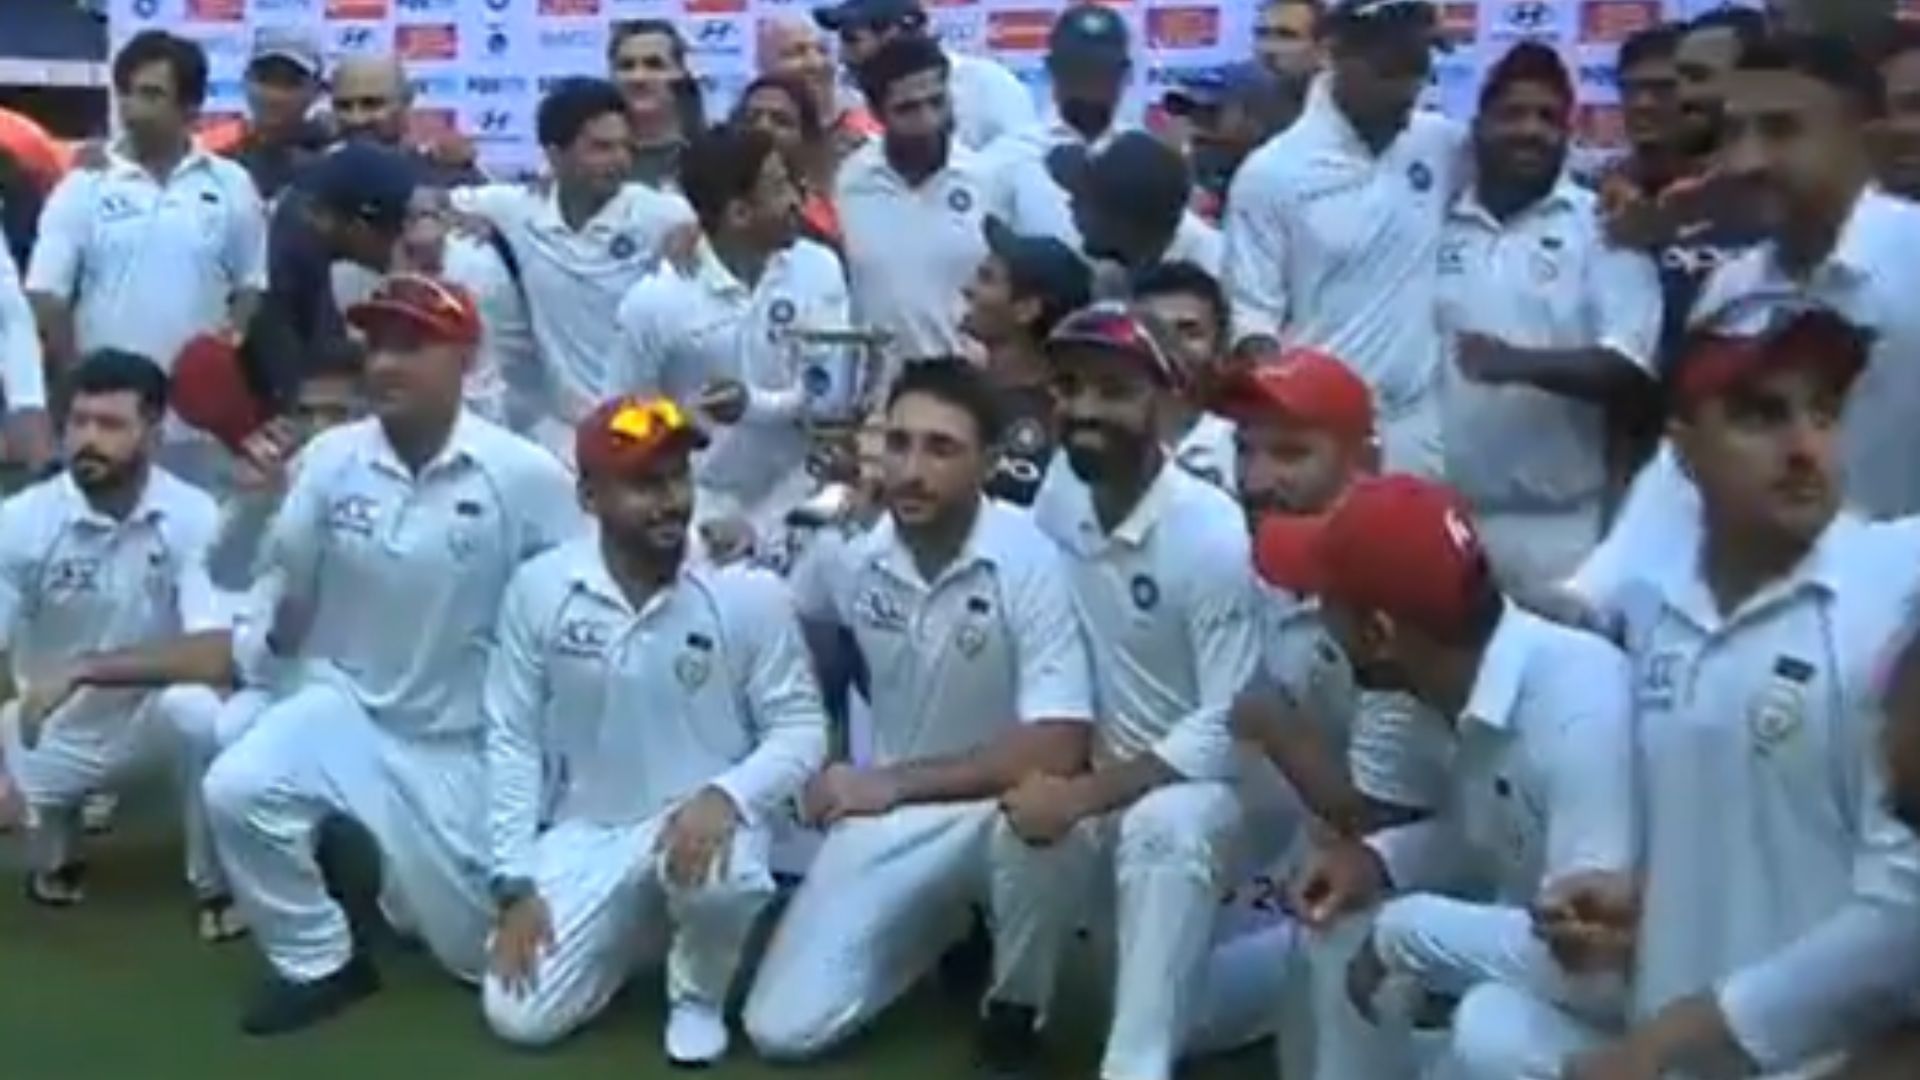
pixel 94 739
pixel 317 753
pixel 609 901
pixel 1165 858
pixel 914 875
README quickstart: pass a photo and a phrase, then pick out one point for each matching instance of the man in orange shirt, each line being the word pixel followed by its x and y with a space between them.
pixel 31 163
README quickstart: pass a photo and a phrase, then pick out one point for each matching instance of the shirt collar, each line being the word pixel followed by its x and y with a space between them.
pixel 149 510
pixel 1684 586
pixel 590 575
pixel 604 219
pixel 719 280
pixel 1854 252
pixel 122 165
pixel 1562 197
pixel 1324 112
pixel 463 447
pixel 1503 668
pixel 983 547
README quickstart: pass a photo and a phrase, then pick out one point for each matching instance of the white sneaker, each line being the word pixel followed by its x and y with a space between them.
pixel 696 1033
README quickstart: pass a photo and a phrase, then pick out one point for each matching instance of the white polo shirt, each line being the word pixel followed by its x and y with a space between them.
pixel 402 574
pixel 1543 279
pixel 23 375
pixel 598 712
pixel 1332 247
pixel 1167 603
pixel 677 333
pixel 148 263
pixel 1543 774
pixel 910 250
pixel 1774 875
pixel 988 100
pixel 956 662
pixel 75 581
pixel 573 280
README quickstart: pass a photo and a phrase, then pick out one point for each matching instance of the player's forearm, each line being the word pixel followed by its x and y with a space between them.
pixel 1597 375
pixel 1294 746
pixel 1055 747
pixel 778 768
pixel 55 316
pixel 1692 1036
pixel 205 658
pixel 515 795
pixel 1124 783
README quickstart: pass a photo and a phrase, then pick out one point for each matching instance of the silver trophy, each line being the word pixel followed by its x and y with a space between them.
pixel 838 369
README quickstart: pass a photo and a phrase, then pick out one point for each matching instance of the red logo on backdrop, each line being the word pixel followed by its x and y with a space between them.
pixel 715 7
pixel 569 7
pixel 1600 125
pixel 214 121
pixel 217 10
pixel 1615 21
pixel 1018 31
pixel 1459 23
pixel 426 125
pixel 427 41
pixel 356 9
pixel 1183 27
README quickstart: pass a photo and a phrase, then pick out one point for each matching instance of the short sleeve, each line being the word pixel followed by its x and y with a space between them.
pixel 60 248
pixel 1055 676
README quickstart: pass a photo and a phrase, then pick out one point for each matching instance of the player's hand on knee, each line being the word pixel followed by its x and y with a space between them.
pixel 844 791
pixel 1589 920
pixel 1622 1060
pixel 1341 877
pixel 523 931
pixel 698 838
pixel 1044 808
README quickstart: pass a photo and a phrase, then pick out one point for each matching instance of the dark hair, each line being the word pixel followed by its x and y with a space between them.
pixel 117 371
pixel 954 381
pixel 1652 44
pixel 1528 62
pixel 185 61
pixel 900 58
pixel 1748 25
pixel 1824 58
pixel 337 358
pixel 571 105
pixel 812 126
pixel 687 96
pixel 1182 278
pixel 722 166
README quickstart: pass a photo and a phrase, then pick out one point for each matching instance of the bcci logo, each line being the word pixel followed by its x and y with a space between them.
pixel 146 9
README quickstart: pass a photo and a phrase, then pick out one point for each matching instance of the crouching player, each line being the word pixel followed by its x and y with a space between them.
pixel 960 607
pixel 659 714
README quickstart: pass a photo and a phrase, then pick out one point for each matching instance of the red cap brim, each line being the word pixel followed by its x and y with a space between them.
pixel 1286 552
pixel 373 315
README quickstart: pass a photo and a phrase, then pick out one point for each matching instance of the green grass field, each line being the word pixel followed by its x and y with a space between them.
pixel 120 990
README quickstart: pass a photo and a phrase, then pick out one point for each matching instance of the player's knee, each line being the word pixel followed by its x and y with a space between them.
pixel 519 1019
pixel 232 791
pixel 1178 826
pixel 1488 1040
pixel 192 712
pixel 781 1026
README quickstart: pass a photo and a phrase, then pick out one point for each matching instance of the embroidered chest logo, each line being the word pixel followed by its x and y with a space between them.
pixel 1453 257
pixel 972 636
pixel 883 609
pixel 1420 176
pixel 73 576
pixel 1779 710
pixel 1145 592
pixel 463 539
pixel 781 312
pixel 352 514
pixel 960 200
pixel 583 638
pixel 622 247
pixel 695 662
pixel 1659 681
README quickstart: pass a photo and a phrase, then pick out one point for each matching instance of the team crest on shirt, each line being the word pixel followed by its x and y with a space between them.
pixel 583 638
pixel 352 514
pixel 116 207
pixel 781 312
pixel 973 633
pixel 1453 257
pixel 1546 269
pixel 881 608
pixel 695 662
pixel 960 200
pixel 1145 592
pixel 1780 707
pixel 1420 176
pixel 72 576
pixel 1658 678
pixel 623 247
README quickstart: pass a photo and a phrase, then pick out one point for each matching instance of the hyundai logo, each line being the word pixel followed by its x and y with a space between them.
pixel 1529 15
pixel 494 121
pixel 355 37
pixel 715 32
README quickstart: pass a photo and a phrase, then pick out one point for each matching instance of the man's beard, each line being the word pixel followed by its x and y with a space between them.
pixel 97 474
pixel 916 155
pixel 1089 118
pixel 1109 461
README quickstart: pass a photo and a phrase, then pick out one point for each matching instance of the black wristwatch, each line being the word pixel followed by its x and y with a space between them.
pixel 508 890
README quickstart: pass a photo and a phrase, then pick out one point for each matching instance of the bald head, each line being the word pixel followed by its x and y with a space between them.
pixel 791 46
pixel 370 98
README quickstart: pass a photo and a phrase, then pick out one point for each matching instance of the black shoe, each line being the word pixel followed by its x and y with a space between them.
pixel 284 1006
pixel 61 887
pixel 349 861
pixel 1009 1043
pixel 967 967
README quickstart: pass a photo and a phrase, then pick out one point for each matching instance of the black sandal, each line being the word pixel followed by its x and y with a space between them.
pixel 61 887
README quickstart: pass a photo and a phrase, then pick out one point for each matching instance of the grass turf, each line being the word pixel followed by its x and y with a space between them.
pixel 120 990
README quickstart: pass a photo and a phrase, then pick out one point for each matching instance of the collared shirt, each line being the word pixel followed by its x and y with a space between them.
pixel 1333 247
pixel 1166 600
pixel 1206 450
pixel 573 279
pixel 400 574
pixel 953 663
pixel 988 100
pixel 679 333
pixel 1774 875
pixel 912 290
pixel 75 581
pixel 1543 777
pixel 148 262
pixel 596 711
pixel 1543 279
pixel 1872 278
pixel 22 368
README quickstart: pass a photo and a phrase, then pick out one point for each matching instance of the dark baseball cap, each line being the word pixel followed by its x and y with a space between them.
pixel 1089 37
pixel 854 14
pixel 1135 172
pixel 1217 87
pixel 1370 21
pixel 1043 268
pixel 365 182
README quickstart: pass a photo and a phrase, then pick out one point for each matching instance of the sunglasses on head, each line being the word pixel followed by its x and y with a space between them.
pixel 648 421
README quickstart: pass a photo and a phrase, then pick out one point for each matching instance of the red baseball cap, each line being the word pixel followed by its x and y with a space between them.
pixel 1394 544
pixel 210 390
pixel 627 433
pixel 1303 385
pixel 438 310
pixel 1749 341
pixel 1114 327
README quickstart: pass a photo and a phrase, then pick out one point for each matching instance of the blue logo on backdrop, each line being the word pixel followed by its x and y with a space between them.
pixel 497 43
pixel 146 9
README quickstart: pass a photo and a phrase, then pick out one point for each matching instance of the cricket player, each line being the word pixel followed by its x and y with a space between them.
pixel 648 720
pixel 1784 926
pixel 110 553
pixel 385 567
pixel 979 678
pixel 1529 862
pixel 1161 576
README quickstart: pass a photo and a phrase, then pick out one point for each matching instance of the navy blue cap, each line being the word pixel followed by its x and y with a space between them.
pixel 1041 267
pixel 1089 37
pixel 366 182
pixel 854 14
pixel 1134 173
pixel 1216 87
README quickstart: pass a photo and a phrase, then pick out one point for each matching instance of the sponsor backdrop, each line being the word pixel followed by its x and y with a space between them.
pixel 480 64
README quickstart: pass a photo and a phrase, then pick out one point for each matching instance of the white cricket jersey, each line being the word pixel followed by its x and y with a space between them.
pixel 1542 782
pixel 910 250
pixel 1543 279
pixel 678 333
pixel 598 712
pixel 1872 278
pixel 1333 247
pixel 988 100
pixel 1774 876
pixel 402 574
pixel 245 519
pixel 573 279
pixel 1167 603
pixel 148 263
pixel 75 581
pixel 956 662
pixel 23 377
